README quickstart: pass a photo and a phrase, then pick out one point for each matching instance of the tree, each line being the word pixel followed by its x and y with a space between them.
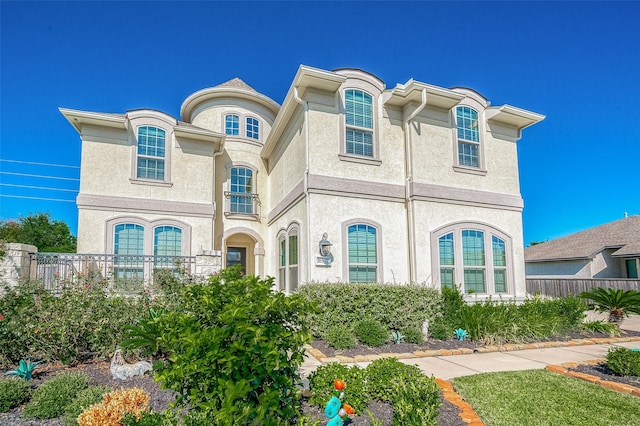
pixel 40 230
pixel 617 302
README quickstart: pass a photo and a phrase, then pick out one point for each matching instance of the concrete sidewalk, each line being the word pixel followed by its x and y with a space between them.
pixel 447 367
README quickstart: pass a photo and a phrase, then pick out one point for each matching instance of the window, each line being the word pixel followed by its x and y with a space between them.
pixel 632 268
pixel 474 256
pixel 253 128
pixel 288 260
pixel 151 153
pixel 362 253
pixel 241 190
pixel 468 136
pixel 128 248
pixel 359 123
pixel 232 125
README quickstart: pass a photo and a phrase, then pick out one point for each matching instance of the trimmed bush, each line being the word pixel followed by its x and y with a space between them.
pixel 383 373
pixel 397 307
pixel 371 333
pixel 114 405
pixel 340 337
pixel 84 400
pixel 51 398
pixel 413 335
pixel 624 361
pixel 13 392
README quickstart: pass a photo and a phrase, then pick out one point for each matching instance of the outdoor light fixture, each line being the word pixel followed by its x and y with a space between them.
pixel 325 251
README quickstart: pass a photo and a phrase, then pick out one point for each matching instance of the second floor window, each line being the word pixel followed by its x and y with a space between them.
pixel 232 125
pixel 241 190
pixel 253 128
pixel 151 153
pixel 468 136
pixel 359 122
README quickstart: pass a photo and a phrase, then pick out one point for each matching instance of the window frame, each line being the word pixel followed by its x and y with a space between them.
pixel 148 118
pixel 243 128
pixel 226 128
pixel 373 91
pixel 489 268
pixel 345 251
pixel 254 199
pixel 149 227
pixel 476 107
pixel 287 271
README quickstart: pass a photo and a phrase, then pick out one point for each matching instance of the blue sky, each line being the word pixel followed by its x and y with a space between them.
pixel 575 62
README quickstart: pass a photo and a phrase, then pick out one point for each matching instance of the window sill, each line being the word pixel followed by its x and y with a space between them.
pixel 242 139
pixel 241 216
pixel 359 159
pixel 470 170
pixel 151 182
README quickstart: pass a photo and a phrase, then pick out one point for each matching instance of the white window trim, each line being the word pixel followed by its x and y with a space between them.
pixel 479 109
pixel 254 190
pixel 489 231
pixel 345 247
pixel 374 92
pixel 283 235
pixel 242 127
pixel 149 230
pixel 150 119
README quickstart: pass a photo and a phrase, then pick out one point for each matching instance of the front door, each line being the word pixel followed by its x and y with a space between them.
pixel 237 256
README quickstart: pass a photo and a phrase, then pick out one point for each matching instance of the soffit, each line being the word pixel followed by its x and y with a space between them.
pixel 411 92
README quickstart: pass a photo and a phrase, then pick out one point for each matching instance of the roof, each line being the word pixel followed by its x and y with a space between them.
pixel 237 84
pixel 622 235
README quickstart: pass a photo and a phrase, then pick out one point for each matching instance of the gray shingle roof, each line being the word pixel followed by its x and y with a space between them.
pixel 623 234
pixel 237 84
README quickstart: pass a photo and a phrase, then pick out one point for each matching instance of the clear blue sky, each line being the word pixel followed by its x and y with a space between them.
pixel 578 63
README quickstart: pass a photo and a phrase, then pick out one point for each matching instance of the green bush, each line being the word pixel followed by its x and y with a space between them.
pixel 383 373
pixel 371 333
pixel 416 402
pixel 51 398
pixel 413 335
pixel 340 337
pixel 166 418
pixel 84 399
pixel 397 307
pixel 443 324
pixel 13 392
pixel 600 326
pixel 355 391
pixel 79 321
pixel 234 350
pixel 624 361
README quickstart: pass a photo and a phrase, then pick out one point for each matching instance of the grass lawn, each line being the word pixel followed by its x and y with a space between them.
pixel 539 397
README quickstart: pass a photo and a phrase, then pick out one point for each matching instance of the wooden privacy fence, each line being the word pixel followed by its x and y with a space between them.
pixel 562 287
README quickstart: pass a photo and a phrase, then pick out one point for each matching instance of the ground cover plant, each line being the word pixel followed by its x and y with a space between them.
pixel 413 396
pixel 50 399
pixel 13 392
pixel 538 397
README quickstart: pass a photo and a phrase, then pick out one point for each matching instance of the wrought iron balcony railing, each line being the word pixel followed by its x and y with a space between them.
pixel 242 204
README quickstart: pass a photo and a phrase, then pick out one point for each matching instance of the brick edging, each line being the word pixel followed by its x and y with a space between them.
pixel 317 354
pixel 618 387
pixel 467 413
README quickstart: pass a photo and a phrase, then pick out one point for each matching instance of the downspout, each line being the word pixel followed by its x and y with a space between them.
pixel 215 207
pixel 408 182
pixel 307 202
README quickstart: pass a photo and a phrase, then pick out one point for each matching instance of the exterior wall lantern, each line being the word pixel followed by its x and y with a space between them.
pixel 326 257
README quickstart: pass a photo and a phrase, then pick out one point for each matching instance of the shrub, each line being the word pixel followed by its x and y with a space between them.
pixel 451 305
pixel 601 327
pixel 413 335
pixel 84 400
pixel 340 337
pixel 114 405
pixel 415 402
pixel 321 383
pixel 383 373
pixel 371 333
pixel 148 419
pixel 397 307
pixel 234 350
pixel 13 392
pixel 624 361
pixel 51 398
pixel 617 302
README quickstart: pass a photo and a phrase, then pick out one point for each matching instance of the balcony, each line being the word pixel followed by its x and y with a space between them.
pixel 241 205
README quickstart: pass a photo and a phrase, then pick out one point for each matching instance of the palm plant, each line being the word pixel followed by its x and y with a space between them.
pixel 617 302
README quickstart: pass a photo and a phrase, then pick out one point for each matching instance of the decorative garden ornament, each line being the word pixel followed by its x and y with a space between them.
pixel 460 333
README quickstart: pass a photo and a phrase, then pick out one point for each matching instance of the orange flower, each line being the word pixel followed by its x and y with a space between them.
pixel 349 409
pixel 339 384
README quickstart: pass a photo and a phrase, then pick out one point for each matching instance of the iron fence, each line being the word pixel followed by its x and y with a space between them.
pixel 119 273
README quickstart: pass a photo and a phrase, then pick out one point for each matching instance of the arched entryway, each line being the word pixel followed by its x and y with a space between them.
pixel 243 246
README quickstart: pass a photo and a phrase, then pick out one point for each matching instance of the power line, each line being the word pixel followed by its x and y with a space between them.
pixel 38 187
pixel 37 198
pixel 38 176
pixel 39 164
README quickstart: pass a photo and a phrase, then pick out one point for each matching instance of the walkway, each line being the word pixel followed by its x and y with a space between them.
pixel 451 366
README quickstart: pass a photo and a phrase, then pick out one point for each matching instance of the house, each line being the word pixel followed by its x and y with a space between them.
pixel 347 180
pixel 611 250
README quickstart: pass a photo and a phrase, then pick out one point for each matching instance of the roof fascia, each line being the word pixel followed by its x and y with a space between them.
pixel 201 96
pixel 411 92
pixel 514 117
pixel 306 78
pixel 78 118
pixel 200 135
pixel 560 259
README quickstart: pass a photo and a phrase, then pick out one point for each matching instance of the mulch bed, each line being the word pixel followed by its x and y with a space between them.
pixel 601 370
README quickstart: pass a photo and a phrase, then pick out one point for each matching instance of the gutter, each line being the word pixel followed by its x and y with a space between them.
pixel 305 189
pixel 408 181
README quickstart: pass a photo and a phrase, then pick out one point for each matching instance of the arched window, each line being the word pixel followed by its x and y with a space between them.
pixel 232 125
pixel 359 122
pixel 241 189
pixel 128 248
pixel 474 256
pixel 151 153
pixel 288 249
pixel 468 137
pixel 362 249
pixel 167 241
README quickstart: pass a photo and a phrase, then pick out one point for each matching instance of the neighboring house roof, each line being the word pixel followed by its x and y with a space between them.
pixel 623 235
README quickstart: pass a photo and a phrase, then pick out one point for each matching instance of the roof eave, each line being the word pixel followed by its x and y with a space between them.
pixel 512 116
pixel 200 135
pixel 411 92
pixel 79 118
pixel 201 96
